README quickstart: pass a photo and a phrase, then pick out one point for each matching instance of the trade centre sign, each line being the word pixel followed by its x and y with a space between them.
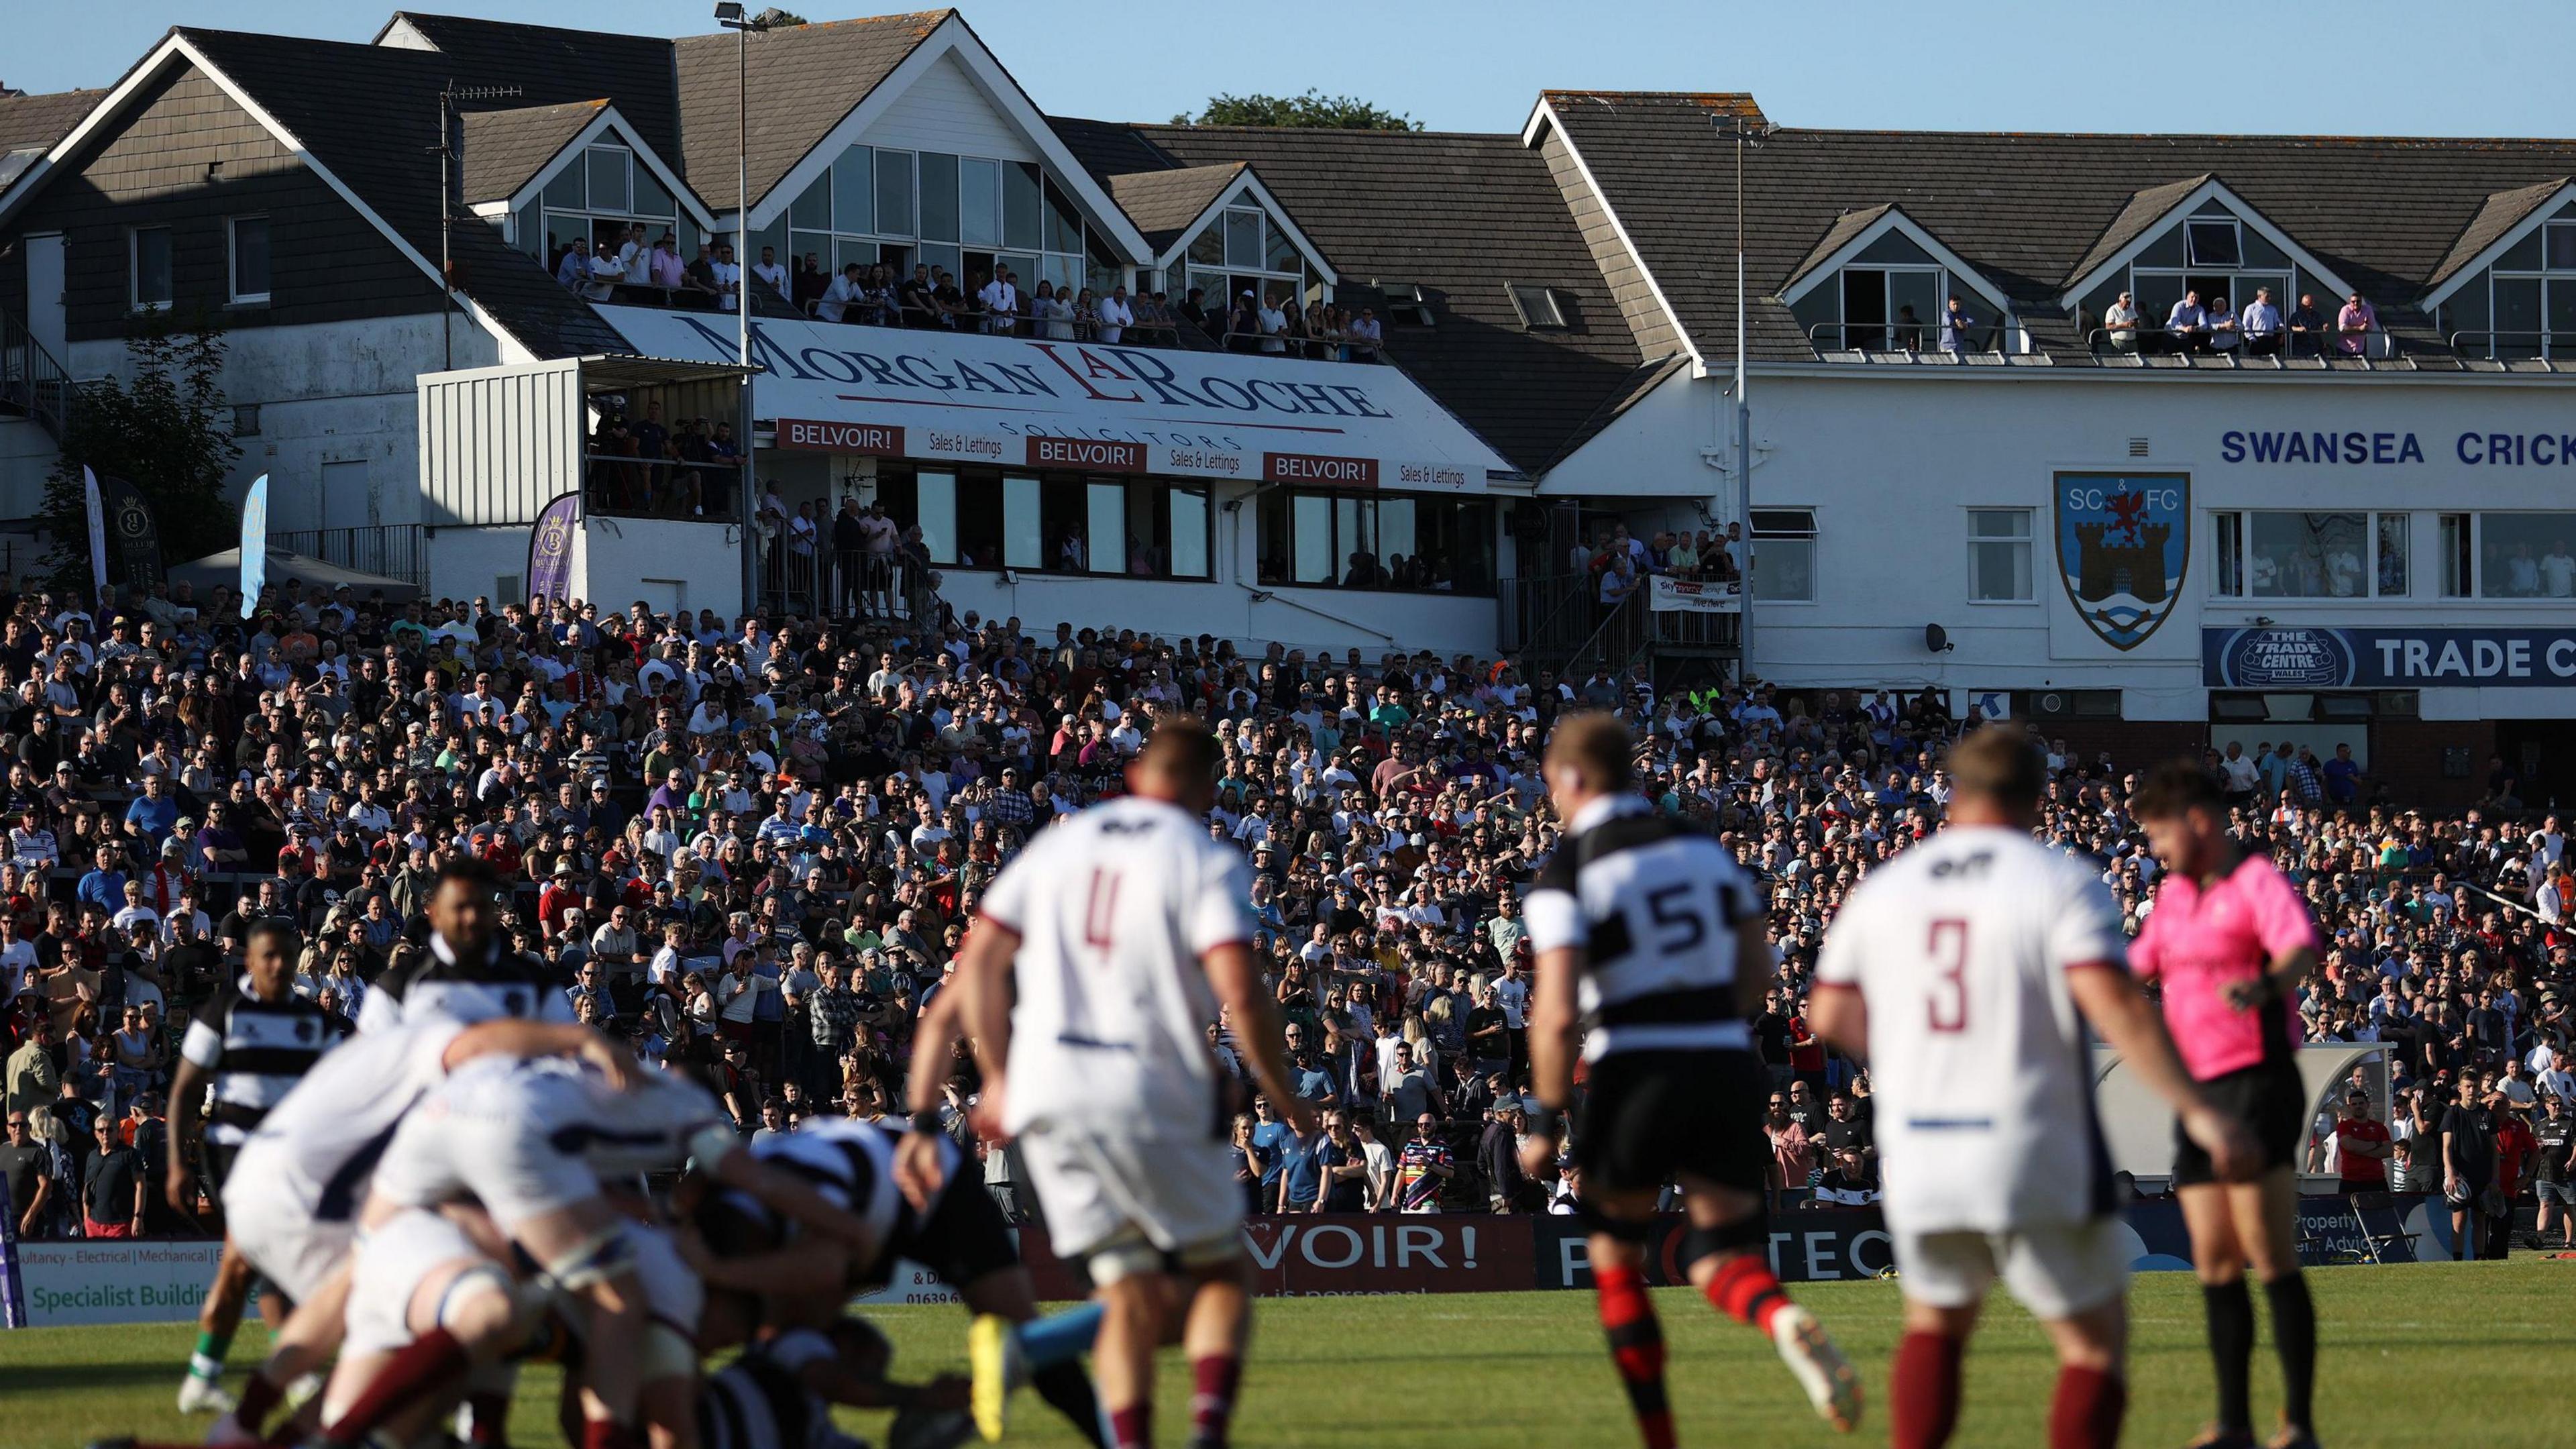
pixel 1089 407
pixel 2274 657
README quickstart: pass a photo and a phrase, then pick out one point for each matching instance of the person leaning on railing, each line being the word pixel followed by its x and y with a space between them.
pixel 2120 323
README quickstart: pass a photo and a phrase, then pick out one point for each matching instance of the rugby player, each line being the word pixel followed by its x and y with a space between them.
pixel 1652 949
pixel 246 1049
pixel 2228 941
pixel 1959 971
pixel 1096 965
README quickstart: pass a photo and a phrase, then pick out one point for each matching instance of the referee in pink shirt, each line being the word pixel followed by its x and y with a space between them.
pixel 2229 940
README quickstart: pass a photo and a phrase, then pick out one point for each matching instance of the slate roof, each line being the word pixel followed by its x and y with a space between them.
pixel 1846 226
pixel 2502 213
pixel 805 79
pixel 2027 210
pixel 504 148
pixel 30 125
pixel 555 66
pixel 1459 215
pixel 2144 210
pixel 1161 203
pixel 369 114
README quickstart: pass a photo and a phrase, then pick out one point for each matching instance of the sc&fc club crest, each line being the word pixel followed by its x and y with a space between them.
pixel 2123 546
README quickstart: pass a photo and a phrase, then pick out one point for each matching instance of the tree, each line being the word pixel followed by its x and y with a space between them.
pixel 168 431
pixel 1314 109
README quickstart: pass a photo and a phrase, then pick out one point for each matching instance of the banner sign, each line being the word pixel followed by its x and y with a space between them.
pixel 97 533
pixel 2278 657
pixel 1679 596
pixel 254 545
pixel 116 1280
pixel 136 533
pixel 550 548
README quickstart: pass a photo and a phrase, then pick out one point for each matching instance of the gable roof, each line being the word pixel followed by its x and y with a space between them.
pixel 808 77
pixel 504 148
pixel 2191 203
pixel 1853 233
pixel 31 124
pixel 2024 209
pixel 1459 215
pixel 1164 203
pixel 2499 224
pixel 2146 208
pixel 1848 228
pixel 554 66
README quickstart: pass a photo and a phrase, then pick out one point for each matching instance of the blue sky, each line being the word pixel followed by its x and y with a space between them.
pixel 2485 68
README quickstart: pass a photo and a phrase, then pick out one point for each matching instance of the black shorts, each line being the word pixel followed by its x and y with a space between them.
pixel 217 1160
pixel 963 1238
pixel 1649 1115
pixel 2271 1099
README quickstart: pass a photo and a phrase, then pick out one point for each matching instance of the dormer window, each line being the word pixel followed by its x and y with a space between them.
pixel 2182 249
pixel 1878 282
pixel 2216 242
pixel 1538 307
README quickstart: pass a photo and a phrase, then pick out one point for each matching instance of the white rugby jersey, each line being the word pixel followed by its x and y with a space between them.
pixel 1977 1060
pixel 1653 905
pixel 321 1143
pixel 1114 907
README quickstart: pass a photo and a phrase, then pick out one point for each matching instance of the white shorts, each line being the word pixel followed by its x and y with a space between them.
pixel 277 1234
pixel 673 1296
pixel 1100 1190
pixel 2056 1271
pixel 495 1139
pixel 393 1260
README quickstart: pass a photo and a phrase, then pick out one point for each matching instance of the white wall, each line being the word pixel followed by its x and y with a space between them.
pixel 1892 463
pixel 464 562
pixel 945 111
pixel 1310 619
pixel 663 561
pixel 27 454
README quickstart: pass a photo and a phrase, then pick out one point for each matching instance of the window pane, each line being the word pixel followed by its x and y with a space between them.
pixel 2392 555
pixel 2306 555
pixel 650 198
pixel 943 257
pixel 1189 533
pixel 1999 522
pixel 2562 316
pixel 2455 555
pixel 532 230
pixel 566 191
pixel 2213 244
pixel 2517 316
pixel 812 210
pixel 2231 555
pixel 1208 247
pixel 1108 541
pixel 607 168
pixel 2526 555
pixel 894 193
pixel 1243 238
pixel 1063 221
pixel 250 257
pixel 854 189
pixel 1020 226
pixel 1314 519
pixel 1282 254
pixel 846 251
pixel 938 196
pixel 1999 573
pixel 2562 248
pixel 1396 533
pixel 979 201
pixel 1784 569
pixel 1023 543
pixel 1354 533
pixel 815 244
pixel 936 512
pixel 151 266
pixel 1147 557
pixel 979 521
pixel 1913 297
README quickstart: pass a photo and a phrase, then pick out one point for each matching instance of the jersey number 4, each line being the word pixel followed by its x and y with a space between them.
pixel 1947 945
pixel 1099 910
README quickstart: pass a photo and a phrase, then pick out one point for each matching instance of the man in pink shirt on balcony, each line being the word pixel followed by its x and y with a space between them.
pixel 2229 941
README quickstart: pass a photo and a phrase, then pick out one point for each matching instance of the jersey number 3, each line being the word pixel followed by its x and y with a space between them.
pixel 1948 947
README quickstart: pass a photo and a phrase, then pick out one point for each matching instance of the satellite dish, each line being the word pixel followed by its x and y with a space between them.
pixel 1936 639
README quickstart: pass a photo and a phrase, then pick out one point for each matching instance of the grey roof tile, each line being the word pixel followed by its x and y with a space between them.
pixel 806 78
pixel 504 148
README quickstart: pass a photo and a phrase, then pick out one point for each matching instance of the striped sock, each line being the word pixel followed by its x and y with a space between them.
pixel 1636 1348
pixel 1745 1290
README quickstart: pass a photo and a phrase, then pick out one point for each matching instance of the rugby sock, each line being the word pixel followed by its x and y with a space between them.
pixel 2294 1335
pixel 1067 1390
pixel 208 1361
pixel 1923 1391
pixel 259 1398
pixel 1745 1290
pixel 487 1419
pixel 420 1366
pixel 2230 1309
pixel 1059 1337
pixel 1132 1427
pixel 2086 1410
pixel 1217 1376
pixel 1636 1348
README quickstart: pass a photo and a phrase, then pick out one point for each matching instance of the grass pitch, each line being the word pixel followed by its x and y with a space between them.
pixel 2413 1355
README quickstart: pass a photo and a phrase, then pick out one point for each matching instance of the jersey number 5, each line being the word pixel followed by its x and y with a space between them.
pixel 1099 910
pixel 1948 947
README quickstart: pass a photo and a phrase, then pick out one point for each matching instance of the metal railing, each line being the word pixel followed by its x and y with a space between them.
pixel 391 549
pixel 2332 341
pixel 32 382
pixel 2510 344
pixel 617 486
pixel 827 583
pixel 1932 336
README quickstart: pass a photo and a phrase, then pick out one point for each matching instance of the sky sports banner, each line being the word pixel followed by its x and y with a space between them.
pixel 1018 402
pixel 2286 657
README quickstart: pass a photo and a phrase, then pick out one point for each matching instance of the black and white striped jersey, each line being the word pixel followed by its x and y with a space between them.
pixel 437 986
pixel 851 1163
pixel 253 1052
pixel 760 1401
pixel 1652 905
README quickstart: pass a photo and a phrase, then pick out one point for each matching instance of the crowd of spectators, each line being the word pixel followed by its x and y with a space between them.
pixel 757 844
